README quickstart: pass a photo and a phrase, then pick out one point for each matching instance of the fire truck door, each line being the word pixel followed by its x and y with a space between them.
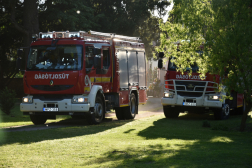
pixel 93 64
pixel 106 69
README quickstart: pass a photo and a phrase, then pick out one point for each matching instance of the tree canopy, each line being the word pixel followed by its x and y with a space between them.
pixel 223 30
pixel 22 18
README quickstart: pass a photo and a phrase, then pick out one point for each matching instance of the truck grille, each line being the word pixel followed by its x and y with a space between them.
pixel 52 88
pixel 188 88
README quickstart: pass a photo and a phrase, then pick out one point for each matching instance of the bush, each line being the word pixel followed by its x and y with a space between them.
pixel 7 100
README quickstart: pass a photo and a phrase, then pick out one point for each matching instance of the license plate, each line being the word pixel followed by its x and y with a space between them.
pixel 50 109
pixel 189 104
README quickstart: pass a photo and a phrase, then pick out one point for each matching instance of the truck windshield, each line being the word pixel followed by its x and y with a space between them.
pixel 173 67
pixel 61 57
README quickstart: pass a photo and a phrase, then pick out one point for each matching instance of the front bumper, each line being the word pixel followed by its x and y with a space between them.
pixel 200 101
pixel 64 105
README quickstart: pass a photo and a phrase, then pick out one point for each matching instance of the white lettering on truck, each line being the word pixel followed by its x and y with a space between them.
pixel 51 76
pixel 188 77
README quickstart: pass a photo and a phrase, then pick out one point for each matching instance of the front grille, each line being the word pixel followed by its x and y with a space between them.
pixel 188 88
pixel 190 94
pixel 52 88
pixel 54 97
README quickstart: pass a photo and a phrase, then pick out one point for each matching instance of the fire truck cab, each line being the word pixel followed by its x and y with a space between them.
pixel 184 92
pixel 84 74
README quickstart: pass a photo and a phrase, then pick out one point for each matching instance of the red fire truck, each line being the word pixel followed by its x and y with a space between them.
pixel 184 92
pixel 84 74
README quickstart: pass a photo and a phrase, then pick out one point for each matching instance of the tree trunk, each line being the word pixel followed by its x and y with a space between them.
pixel 31 23
pixel 245 115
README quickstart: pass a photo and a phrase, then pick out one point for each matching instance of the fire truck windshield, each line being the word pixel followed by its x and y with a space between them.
pixel 173 67
pixel 61 57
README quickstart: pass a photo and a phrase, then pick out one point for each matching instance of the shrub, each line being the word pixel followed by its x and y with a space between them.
pixel 7 100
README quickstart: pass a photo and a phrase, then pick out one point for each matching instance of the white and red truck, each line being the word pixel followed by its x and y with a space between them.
pixel 184 92
pixel 84 74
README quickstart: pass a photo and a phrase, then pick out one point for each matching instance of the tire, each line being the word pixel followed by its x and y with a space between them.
pixel 120 113
pixel 38 119
pixel 131 111
pixel 171 112
pixel 97 116
pixel 222 113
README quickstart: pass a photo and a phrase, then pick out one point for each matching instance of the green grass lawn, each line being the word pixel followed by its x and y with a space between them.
pixel 149 142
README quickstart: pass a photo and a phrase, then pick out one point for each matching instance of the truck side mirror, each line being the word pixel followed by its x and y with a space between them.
pixel 20 52
pixel 18 63
pixel 161 55
pixel 160 63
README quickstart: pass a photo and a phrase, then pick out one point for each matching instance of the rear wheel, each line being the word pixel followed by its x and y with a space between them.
pixel 170 112
pixel 38 119
pixel 222 113
pixel 131 111
pixel 97 116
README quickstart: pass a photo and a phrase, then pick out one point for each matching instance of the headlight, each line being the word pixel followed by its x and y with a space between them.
pixel 27 100
pixel 213 97
pixel 170 95
pixel 79 100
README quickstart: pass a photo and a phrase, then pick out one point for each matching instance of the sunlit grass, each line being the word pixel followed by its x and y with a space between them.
pixel 149 142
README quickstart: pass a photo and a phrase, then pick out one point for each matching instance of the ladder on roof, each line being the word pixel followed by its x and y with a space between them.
pixel 92 35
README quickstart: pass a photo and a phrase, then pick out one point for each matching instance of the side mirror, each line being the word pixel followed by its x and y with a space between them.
pixel 161 55
pixel 18 63
pixel 20 52
pixel 160 63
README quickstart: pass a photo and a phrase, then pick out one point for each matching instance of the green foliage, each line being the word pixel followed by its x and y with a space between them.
pixel 224 29
pixel 7 100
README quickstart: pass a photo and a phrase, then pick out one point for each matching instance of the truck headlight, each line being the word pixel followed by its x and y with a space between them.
pixel 27 100
pixel 170 95
pixel 80 100
pixel 213 97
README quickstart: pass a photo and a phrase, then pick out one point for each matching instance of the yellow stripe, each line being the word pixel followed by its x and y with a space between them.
pixel 86 89
pixel 239 106
pixel 124 105
pixel 141 103
pixel 105 79
pixel 92 79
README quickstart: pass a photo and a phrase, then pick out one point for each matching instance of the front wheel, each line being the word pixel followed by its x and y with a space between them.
pixel 170 112
pixel 131 111
pixel 223 113
pixel 97 116
pixel 38 119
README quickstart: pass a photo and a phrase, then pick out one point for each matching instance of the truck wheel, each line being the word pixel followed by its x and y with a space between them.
pixel 170 112
pixel 223 113
pixel 131 111
pixel 97 116
pixel 38 119
pixel 119 113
